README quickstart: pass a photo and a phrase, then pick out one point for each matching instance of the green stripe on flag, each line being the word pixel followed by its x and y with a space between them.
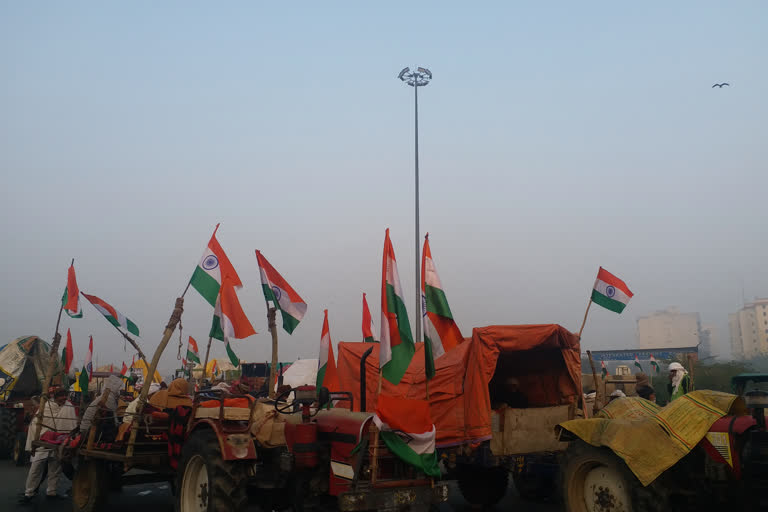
pixel 289 323
pixel 395 305
pixel 608 303
pixel 217 332
pixel 321 376
pixel 436 302
pixel 370 339
pixel 206 285
pixel 269 294
pixel 191 356
pixel 429 358
pixel 426 462
pixel 394 370
pixel 232 357
pixel 64 298
pixel 83 380
pixel 132 327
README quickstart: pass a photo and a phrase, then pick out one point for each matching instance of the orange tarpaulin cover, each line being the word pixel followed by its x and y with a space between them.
pixel 544 358
pixel 445 389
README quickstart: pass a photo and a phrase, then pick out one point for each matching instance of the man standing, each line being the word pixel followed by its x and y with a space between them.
pixel 679 381
pixel 42 456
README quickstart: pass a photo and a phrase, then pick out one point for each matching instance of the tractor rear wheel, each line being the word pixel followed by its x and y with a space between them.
pixel 205 482
pixel 483 486
pixel 89 486
pixel 595 479
pixel 7 431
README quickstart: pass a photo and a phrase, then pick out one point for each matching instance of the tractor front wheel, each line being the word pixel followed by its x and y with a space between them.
pixel 206 482
pixel 595 479
pixel 89 486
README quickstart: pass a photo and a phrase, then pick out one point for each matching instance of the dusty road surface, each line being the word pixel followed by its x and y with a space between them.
pixel 157 497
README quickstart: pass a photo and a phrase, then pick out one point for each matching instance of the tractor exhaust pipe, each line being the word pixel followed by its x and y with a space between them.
pixel 362 378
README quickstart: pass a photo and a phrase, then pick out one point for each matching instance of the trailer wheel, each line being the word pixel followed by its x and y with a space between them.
pixel 483 486
pixel 207 483
pixel 7 432
pixel 89 486
pixel 595 479
pixel 19 455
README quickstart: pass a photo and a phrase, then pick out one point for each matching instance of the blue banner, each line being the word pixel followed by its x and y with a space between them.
pixel 643 355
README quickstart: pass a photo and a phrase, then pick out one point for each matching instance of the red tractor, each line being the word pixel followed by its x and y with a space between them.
pixel 314 457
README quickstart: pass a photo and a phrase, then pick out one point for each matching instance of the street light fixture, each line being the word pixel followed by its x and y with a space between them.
pixel 416 79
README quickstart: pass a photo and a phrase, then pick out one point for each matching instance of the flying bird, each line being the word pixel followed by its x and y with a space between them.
pixel 721 85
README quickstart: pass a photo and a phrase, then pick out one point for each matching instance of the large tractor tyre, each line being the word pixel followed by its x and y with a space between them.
pixel 19 456
pixel 595 479
pixel 7 432
pixel 89 486
pixel 207 483
pixel 483 486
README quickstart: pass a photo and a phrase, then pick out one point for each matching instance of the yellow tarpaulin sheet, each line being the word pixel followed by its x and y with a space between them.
pixel 651 439
pixel 140 365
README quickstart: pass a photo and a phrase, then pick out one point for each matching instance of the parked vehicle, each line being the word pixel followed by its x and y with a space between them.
pixel 22 367
pixel 495 401
pixel 710 449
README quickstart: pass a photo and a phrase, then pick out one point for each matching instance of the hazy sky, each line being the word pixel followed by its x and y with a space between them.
pixel 554 139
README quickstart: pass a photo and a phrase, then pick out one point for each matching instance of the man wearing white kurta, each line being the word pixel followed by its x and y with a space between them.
pixel 51 421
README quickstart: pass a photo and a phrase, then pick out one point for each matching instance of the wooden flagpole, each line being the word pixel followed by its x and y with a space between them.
pixel 585 317
pixel 271 314
pixel 142 398
pixel 207 352
pixel 49 371
pixel 594 381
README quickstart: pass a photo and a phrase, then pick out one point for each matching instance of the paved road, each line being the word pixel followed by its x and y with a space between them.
pixel 157 497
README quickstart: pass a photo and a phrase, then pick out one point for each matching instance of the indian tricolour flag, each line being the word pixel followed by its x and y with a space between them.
pixel 326 366
pixel 87 371
pixel 610 291
pixel 279 292
pixel 112 315
pixel 441 333
pixel 637 363
pixel 407 430
pixel 193 354
pixel 207 276
pixel 603 369
pixel 70 301
pixel 229 320
pixel 368 327
pixel 397 347
pixel 654 364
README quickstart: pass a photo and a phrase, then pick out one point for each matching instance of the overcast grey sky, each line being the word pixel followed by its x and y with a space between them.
pixel 555 138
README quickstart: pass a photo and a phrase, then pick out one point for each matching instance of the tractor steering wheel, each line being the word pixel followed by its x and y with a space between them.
pixel 286 407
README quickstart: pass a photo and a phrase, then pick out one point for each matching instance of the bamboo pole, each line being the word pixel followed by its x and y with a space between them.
pixel 169 328
pixel 53 356
pixel 595 408
pixel 271 314
pixel 207 352
pixel 585 317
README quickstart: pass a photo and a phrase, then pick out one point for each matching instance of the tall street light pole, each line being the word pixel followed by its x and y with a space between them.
pixel 416 79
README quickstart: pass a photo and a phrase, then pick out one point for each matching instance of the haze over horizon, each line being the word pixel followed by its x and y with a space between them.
pixel 553 139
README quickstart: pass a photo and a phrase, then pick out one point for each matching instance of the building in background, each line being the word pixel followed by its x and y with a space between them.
pixel 749 330
pixel 710 342
pixel 668 329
